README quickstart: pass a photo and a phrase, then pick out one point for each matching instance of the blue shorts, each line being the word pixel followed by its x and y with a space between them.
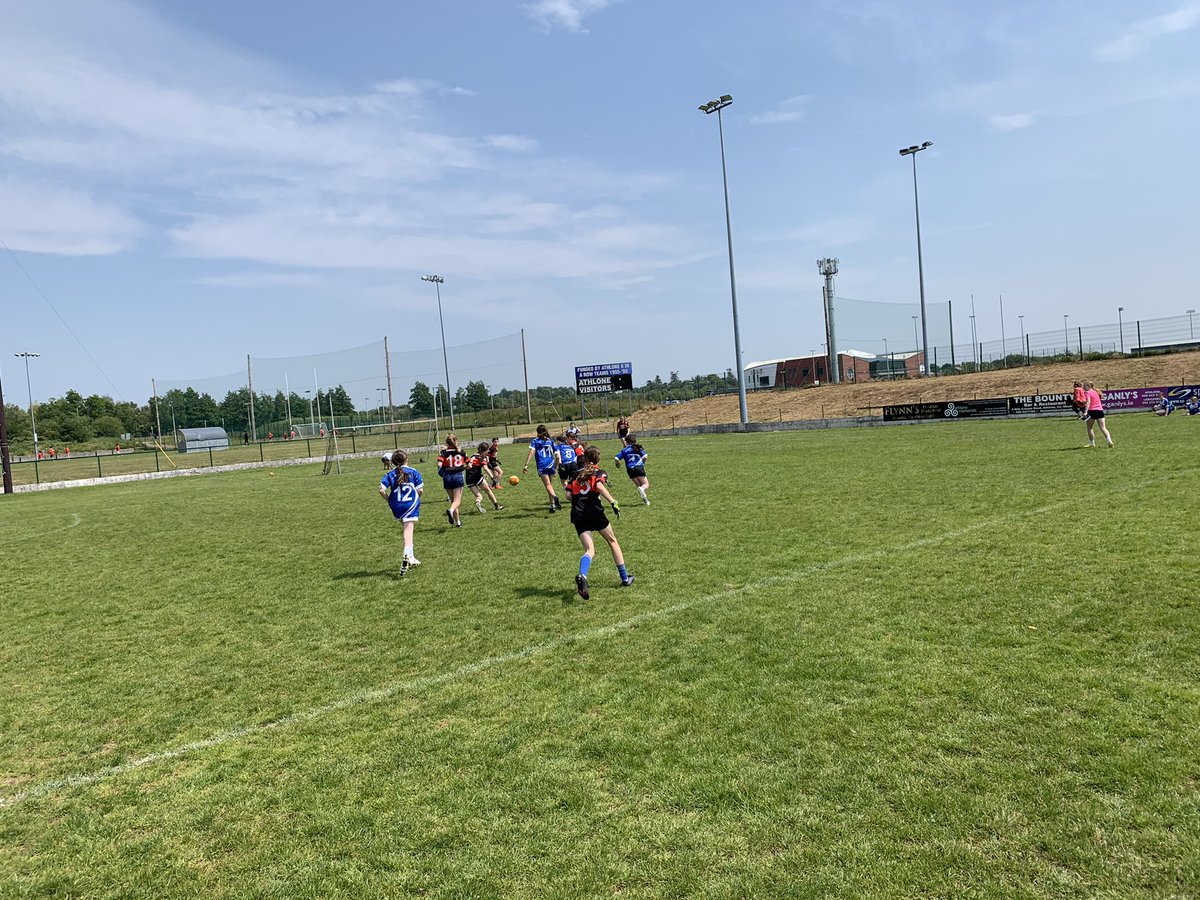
pixel 453 480
pixel 407 513
pixel 549 471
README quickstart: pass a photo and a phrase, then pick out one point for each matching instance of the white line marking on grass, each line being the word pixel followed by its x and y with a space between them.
pixel 415 685
pixel 25 536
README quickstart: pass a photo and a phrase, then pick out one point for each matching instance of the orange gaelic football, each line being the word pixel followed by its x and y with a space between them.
pixel 513 479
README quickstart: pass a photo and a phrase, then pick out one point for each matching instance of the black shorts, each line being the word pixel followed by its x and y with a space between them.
pixel 1095 414
pixel 639 472
pixel 590 522
pixel 565 472
pixel 474 477
pixel 1078 407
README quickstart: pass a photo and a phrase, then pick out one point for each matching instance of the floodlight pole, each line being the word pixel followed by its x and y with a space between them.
pixel 913 151
pixel 715 106
pixel 1121 327
pixel 1191 325
pixel 1066 337
pixel 5 461
pixel 1003 339
pixel 32 419
pixel 438 281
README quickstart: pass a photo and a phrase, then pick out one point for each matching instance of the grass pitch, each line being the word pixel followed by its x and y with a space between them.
pixel 955 660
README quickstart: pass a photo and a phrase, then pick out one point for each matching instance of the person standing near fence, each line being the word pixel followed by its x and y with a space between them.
pixel 1095 413
pixel 1079 400
pixel 401 487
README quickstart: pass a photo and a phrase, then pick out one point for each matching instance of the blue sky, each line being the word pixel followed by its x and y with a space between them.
pixel 191 182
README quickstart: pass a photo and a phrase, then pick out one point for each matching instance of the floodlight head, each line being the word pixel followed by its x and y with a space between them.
pixel 926 145
pixel 727 98
pixel 438 279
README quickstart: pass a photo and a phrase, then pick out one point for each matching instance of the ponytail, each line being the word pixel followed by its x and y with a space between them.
pixel 399 458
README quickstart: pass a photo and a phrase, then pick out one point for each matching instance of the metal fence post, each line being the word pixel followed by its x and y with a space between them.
pixel 260 451
pixel 1139 327
pixel 156 466
pixel 99 468
pixel 210 459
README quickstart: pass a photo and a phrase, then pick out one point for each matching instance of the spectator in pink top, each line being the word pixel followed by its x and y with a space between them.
pixel 1095 413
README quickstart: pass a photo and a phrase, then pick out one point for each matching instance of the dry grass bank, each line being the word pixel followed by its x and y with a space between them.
pixel 844 400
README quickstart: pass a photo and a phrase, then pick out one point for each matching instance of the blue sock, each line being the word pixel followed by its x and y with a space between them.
pixel 585 563
pixel 621 571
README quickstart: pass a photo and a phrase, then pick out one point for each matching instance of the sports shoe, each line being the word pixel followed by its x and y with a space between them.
pixel 450 517
pixel 646 500
pixel 557 503
pixel 479 506
pixel 626 582
pixel 412 561
pixel 581 586
pixel 499 506
pixel 405 565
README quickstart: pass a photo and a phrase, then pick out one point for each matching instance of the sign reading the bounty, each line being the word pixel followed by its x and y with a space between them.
pixel 604 378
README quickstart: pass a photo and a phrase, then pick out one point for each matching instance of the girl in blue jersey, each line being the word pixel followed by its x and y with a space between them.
pixel 634 457
pixel 542 447
pixel 568 458
pixel 401 488
pixel 452 463
pixel 586 488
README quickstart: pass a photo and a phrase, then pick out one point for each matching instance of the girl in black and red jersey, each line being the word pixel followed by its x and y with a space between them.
pixel 586 489
pixel 477 477
pixel 493 455
pixel 451 463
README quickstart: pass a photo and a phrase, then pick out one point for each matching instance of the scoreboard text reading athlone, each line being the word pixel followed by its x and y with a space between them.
pixel 604 378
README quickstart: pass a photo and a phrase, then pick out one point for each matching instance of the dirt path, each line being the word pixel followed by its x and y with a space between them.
pixel 844 400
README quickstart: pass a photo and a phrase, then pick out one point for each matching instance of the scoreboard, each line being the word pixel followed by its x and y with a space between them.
pixel 604 378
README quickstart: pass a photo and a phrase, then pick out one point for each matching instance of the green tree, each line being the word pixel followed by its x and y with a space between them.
pixel 108 426
pixel 420 400
pixel 477 396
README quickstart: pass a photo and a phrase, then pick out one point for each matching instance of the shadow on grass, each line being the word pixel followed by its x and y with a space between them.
pixel 510 513
pixel 390 574
pixel 1069 449
pixel 567 594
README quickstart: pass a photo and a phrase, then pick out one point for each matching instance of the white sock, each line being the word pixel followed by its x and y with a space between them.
pixel 642 491
pixel 408 551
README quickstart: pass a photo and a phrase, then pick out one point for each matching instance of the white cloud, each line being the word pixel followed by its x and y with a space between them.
pixel 514 143
pixel 793 109
pixel 42 219
pixel 1139 35
pixel 836 232
pixel 1011 123
pixel 565 14
pixel 263 169
pixel 260 280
